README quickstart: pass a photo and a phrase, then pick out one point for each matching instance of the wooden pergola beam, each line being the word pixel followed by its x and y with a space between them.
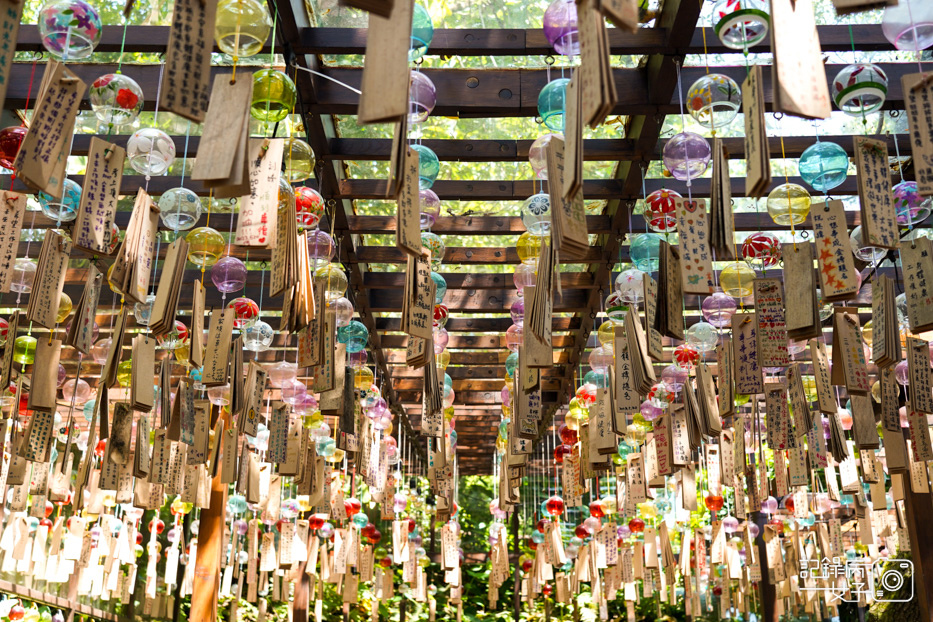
pixel 509 225
pixel 457 190
pixel 594 149
pixel 532 42
pixel 466 93
pixel 486 93
pixel 481 324
pixel 472 41
pixel 468 150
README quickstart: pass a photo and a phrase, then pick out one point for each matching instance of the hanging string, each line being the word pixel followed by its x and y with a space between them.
pixel 275 22
pixel 709 85
pixel 184 159
pixel 683 122
pixel 155 116
pixel 207 224
pixel 855 60
pixel 680 92
pixel 32 76
pixel 897 154
pixel 289 166
pixel 126 23
pixel 327 77
pixel 900 170
pixel 793 232
pixel 644 196
pixel 155 121
pixel 236 40
pixel 913 26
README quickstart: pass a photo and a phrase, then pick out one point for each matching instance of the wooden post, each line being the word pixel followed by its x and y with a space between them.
pixel 919 507
pixel 765 588
pixel 517 581
pixel 210 548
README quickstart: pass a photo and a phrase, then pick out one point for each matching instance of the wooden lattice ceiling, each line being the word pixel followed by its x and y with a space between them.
pixel 479 301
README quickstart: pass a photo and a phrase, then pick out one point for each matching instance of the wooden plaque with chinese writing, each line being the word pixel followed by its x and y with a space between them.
pixel 186 79
pixel 11 12
pixel 848 355
pixel 696 261
pixel 748 377
pixel 917 261
pixel 628 400
pixel 757 155
pixel 569 233
pixel 655 343
pixel 408 229
pixel 921 378
pixel 918 101
pixel 99 195
pixel 12 210
pixel 824 389
pixel 879 220
pixel 836 263
pixel 40 162
pixel 772 331
pixel 49 280
pixel 257 222
pixel 217 353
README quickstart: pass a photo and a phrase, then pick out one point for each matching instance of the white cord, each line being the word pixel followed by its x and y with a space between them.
pixel 326 77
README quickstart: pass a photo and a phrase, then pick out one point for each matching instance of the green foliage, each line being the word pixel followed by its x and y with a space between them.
pixel 145 12
pixel 475 493
pixel 888 611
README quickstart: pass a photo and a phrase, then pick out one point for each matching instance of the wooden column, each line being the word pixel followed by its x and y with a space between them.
pixel 517 580
pixel 765 589
pixel 919 509
pixel 210 548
